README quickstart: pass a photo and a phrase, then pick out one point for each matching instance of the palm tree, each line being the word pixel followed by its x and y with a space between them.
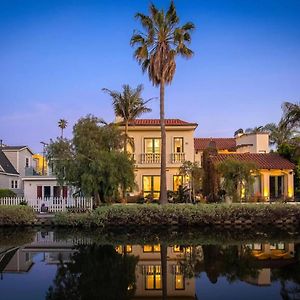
pixel 62 124
pixel 291 113
pixel 128 105
pixel 256 129
pixel 156 50
pixel 280 133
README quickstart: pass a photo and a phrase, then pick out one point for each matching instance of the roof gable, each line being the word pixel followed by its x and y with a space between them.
pixel 16 148
pixel 6 165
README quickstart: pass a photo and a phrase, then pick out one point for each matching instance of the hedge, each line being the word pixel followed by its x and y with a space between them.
pixel 16 215
pixel 180 214
pixel 6 193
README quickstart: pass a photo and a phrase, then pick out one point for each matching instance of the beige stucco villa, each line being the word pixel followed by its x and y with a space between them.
pixel 273 179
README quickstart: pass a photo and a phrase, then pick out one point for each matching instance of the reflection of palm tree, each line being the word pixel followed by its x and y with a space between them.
pixel 97 272
pixel 164 269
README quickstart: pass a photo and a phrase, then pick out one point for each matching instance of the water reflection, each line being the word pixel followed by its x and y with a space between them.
pixel 89 270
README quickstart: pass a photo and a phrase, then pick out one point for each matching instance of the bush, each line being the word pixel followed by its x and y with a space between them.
pixel 16 215
pixel 179 214
pixel 6 193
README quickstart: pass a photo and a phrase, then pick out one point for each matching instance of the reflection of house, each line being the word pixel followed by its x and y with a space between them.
pixel 149 276
pixel 268 256
pixel 16 261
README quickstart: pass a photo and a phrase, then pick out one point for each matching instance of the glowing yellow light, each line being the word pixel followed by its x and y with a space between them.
pixel 290 192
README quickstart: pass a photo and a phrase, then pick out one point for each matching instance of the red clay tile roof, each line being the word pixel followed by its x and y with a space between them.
pixel 156 122
pixel 221 143
pixel 262 160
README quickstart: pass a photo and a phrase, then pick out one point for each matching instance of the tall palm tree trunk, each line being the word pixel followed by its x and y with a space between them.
pixel 125 136
pixel 164 269
pixel 125 151
pixel 62 133
pixel 163 163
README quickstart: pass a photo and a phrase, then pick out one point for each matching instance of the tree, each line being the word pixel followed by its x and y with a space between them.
pixel 128 105
pixel 256 129
pixel 62 124
pixel 237 178
pixel 280 133
pixel 93 161
pixel 291 113
pixel 156 50
pixel 210 180
pixel 291 151
pixel 194 172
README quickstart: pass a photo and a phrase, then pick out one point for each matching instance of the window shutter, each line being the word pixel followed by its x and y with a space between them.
pixel 65 192
pixel 39 193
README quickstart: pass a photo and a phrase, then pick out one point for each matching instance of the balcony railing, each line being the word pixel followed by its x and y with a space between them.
pixel 178 157
pixel 150 158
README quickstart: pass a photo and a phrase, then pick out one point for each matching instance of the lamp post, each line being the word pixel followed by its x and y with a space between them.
pixel 43 166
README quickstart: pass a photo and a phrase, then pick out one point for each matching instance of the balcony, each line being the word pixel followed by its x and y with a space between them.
pixel 150 158
pixel 178 157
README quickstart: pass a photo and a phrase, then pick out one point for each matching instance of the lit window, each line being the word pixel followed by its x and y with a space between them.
pixel 153 278
pixel 118 249
pixel 152 145
pixel 128 248
pixel 257 246
pixel 177 248
pixel 151 186
pixel 178 145
pixel 179 278
pixel 151 248
pixel 277 246
pixel 177 181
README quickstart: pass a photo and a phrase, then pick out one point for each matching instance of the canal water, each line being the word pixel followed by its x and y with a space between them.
pixel 91 265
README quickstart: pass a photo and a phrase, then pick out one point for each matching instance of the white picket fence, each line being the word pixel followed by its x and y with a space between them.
pixel 52 204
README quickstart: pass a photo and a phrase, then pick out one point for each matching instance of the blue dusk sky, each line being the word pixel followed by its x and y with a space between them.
pixel 56 55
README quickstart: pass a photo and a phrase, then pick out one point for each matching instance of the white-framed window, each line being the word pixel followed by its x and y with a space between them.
pixel 14 184
pixel 26 162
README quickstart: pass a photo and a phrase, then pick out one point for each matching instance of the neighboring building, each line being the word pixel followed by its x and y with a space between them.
pixel 21 158
pixel 274 177
pixel 146 137
pixel 41 164
pixel 44 187
pixel 9 177
pixel 18 162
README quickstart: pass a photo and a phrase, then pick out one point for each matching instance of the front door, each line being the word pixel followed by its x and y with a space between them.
pixel 276 187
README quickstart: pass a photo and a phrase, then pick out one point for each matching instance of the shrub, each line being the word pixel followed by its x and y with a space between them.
pixel 179 214
pixel 6 193
pixel 16 215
